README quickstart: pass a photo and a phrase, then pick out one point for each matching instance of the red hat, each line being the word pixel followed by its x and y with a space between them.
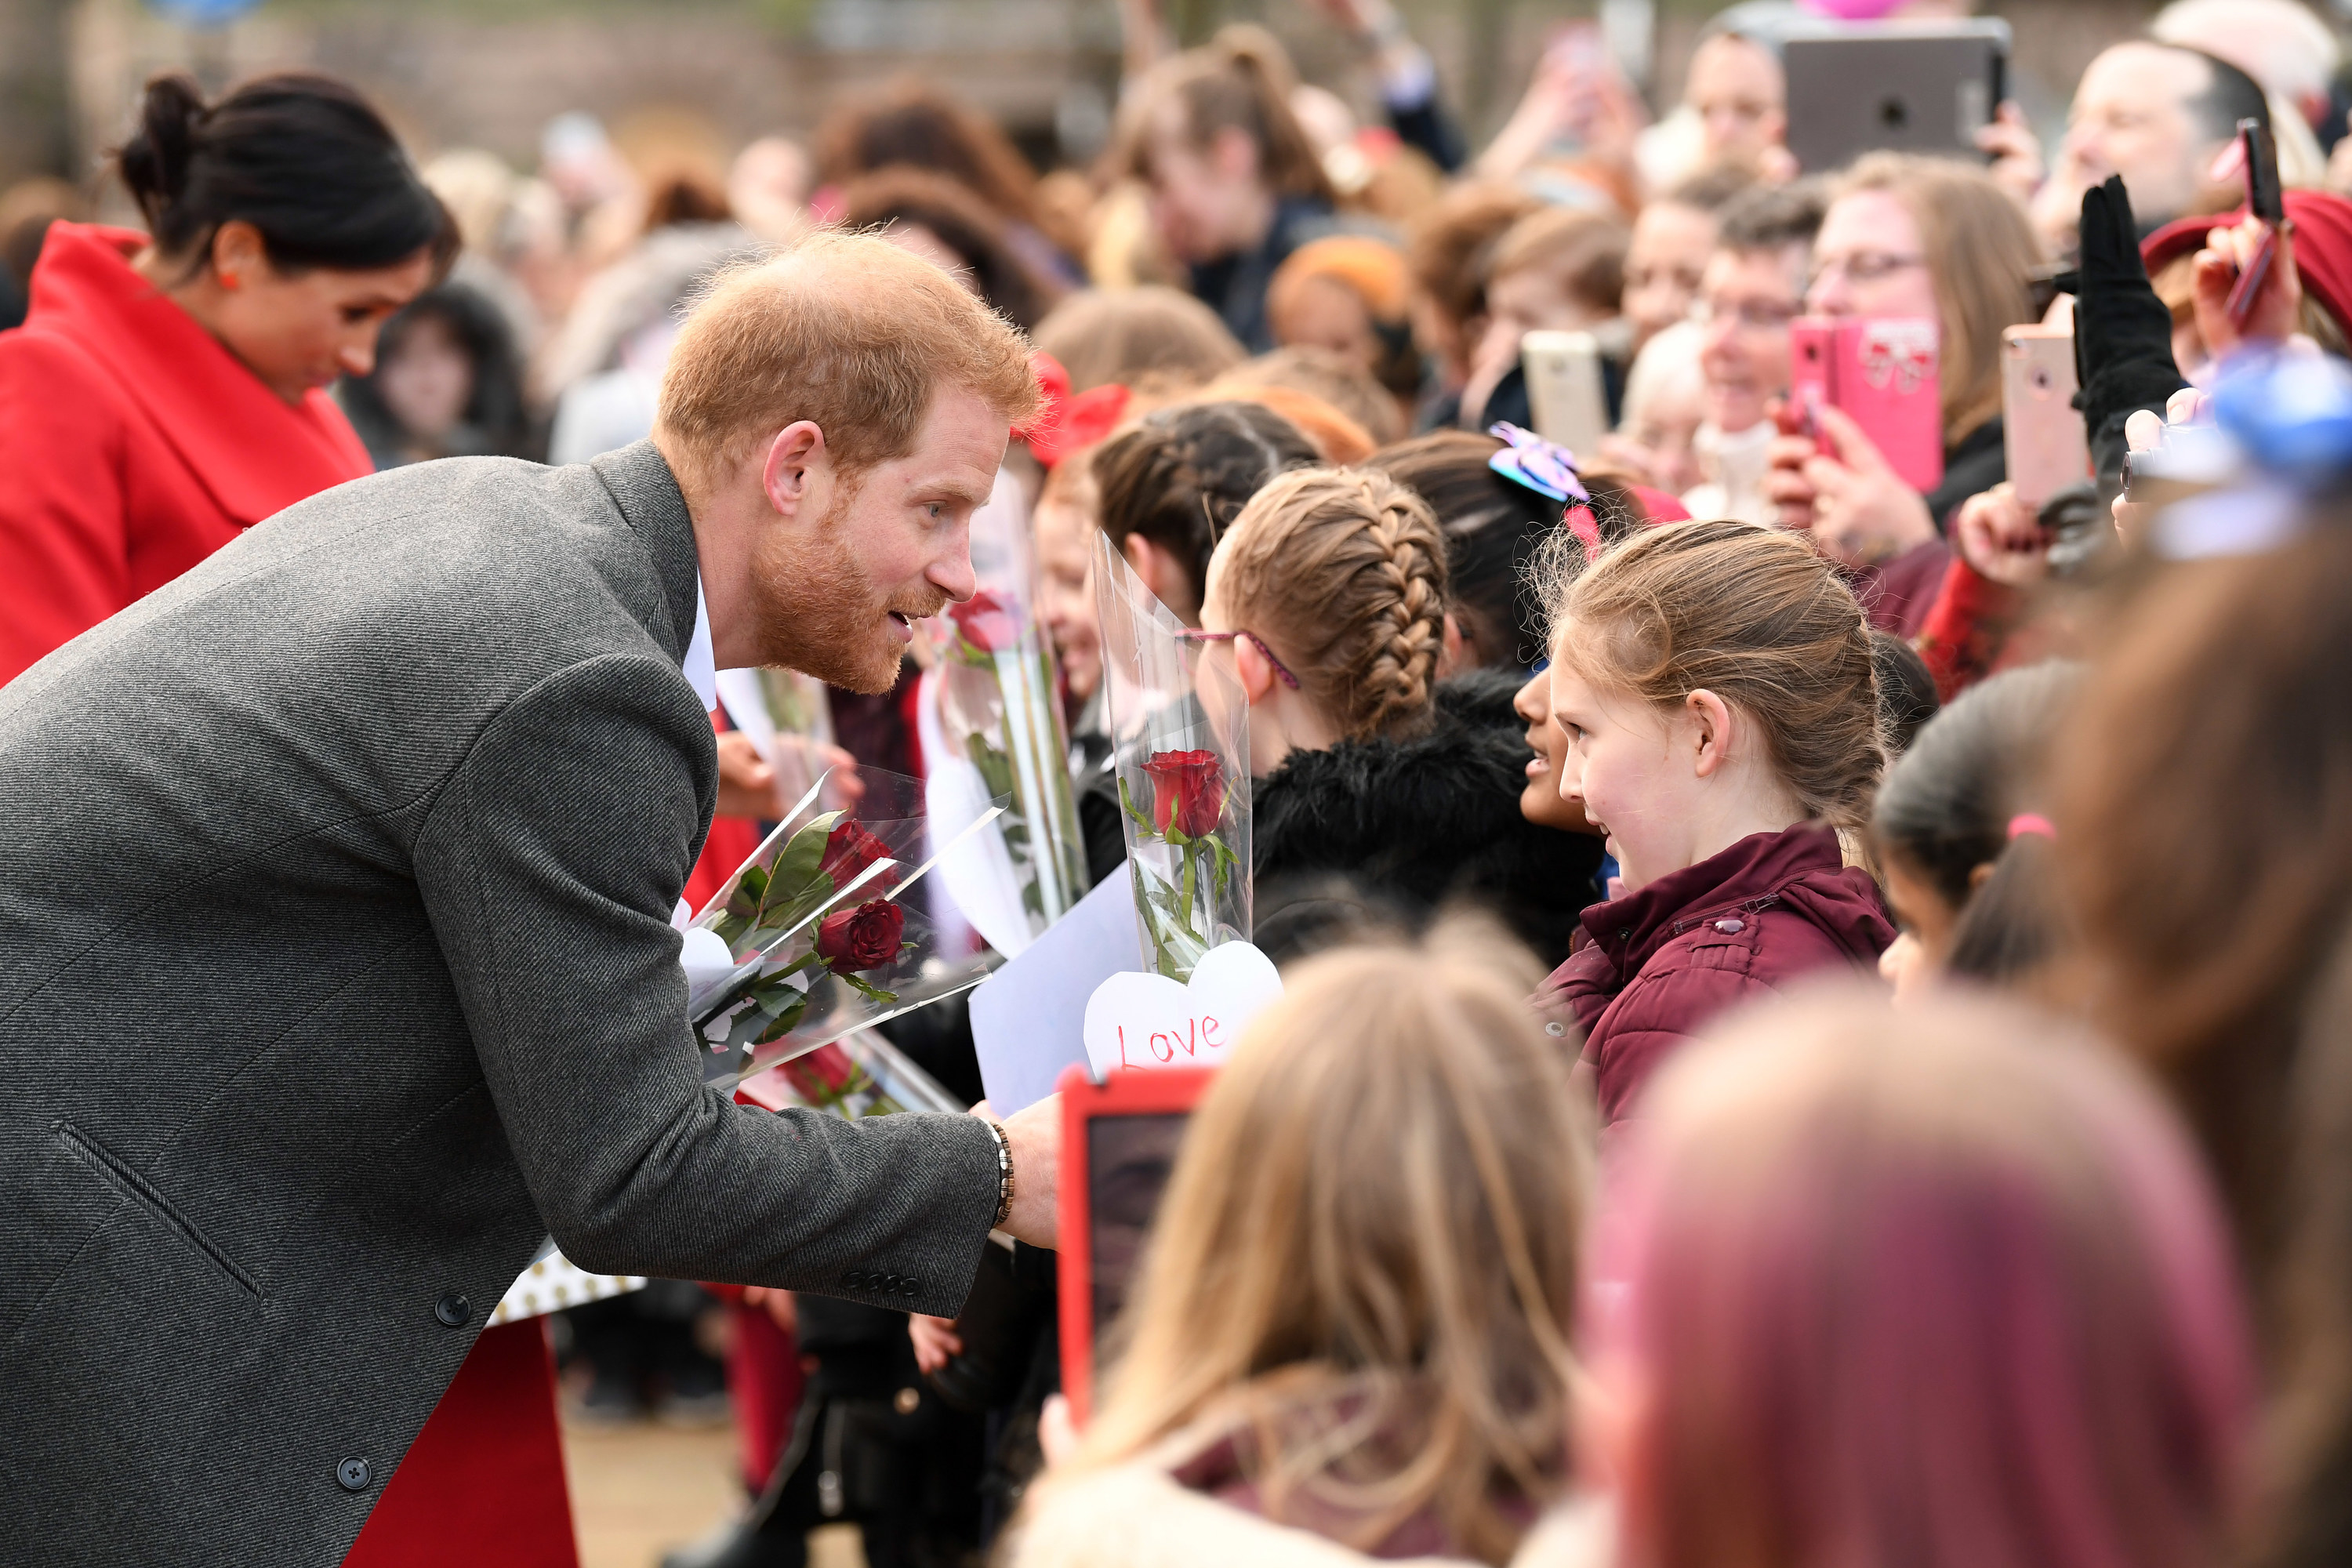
pixel 2323 246
pixel 1067 421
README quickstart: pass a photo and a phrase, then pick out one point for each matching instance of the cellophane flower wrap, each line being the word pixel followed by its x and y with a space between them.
pixel 815 935
pixel 1178 720
pixel 992 693
pixel 857 1076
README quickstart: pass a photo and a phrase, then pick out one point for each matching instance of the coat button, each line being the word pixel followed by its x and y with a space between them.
pixel 453 1309
pixel 853 1280
pixel 354 1475
pixel 908 1402
pixel 1730 927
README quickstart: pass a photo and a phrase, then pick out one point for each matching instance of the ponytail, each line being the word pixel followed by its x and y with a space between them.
pixel 304 159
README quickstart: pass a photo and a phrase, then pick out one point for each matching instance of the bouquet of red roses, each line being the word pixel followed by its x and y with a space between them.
pixel 992 728
pixel 1179 722
pixel 859 1075
pixel 813 936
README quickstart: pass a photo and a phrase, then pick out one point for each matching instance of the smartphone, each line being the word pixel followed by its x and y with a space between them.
pixel 1566 395
pixel 2259 153
pixel 2047 448
pixel 1119 1139
pixel 1882 373
pixel 1913 87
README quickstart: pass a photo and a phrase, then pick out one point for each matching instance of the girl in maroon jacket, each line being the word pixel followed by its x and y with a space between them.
pixel 1713 681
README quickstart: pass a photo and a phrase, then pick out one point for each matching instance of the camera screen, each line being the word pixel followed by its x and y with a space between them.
pixel 1127 1162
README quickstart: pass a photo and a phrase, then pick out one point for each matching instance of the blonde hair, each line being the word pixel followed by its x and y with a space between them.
pixel 1980 256
pixel 1753 615
pixel 1365 1259
pixel 1343 573
pixel 846 330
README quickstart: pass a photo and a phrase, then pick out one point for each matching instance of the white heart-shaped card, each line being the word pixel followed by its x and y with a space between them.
pixel 1142 1020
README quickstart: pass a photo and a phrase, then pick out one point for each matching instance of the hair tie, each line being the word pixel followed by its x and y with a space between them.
pixel 1579 522
pixel 2032 823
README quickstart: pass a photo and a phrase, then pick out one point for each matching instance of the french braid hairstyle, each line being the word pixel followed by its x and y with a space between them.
pixel 1342 573
pixel 1182 476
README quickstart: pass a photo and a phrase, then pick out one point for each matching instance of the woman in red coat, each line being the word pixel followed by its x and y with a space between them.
pixel 165 393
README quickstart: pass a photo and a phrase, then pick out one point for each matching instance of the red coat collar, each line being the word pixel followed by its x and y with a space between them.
pixel 255 453
pixel 1761 866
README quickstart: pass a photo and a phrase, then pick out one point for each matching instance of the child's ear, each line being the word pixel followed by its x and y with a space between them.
pixel 1710 720
pixel 1167 580
pixel 1257 675
pixel 1454 655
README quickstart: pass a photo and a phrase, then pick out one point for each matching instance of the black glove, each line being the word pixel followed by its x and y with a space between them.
pixel 2123 333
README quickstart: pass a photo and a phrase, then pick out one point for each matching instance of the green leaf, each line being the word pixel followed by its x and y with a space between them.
pixel 797 870
pixel 871 992
pixel 1126 803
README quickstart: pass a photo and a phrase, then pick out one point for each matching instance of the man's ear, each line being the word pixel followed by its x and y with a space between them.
pixel 1711 725
pixel 797 459
pixel 1257 672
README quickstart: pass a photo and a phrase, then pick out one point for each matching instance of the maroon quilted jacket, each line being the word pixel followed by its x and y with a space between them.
pixel 1649 969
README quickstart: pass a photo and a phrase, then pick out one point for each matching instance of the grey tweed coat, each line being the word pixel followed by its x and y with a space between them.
pixel 336 970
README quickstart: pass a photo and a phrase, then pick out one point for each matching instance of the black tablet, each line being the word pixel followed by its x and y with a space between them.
pixel 1906 87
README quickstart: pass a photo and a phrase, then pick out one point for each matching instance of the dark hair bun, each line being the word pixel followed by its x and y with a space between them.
pixel 154 162
pixel 304 159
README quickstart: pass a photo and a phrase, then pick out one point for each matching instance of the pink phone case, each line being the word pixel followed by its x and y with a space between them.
pixel 1885 375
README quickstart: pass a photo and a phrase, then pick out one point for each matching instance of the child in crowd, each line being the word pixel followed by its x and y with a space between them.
pixel 1496 525
pixel 1964 857
pixel 1665 405
pixel 1235 184
pixel 1934 1286
pixel 1558 270
pixel 1715 683
pixel 1668 252
pixel 1352 1316
pixel 1174 482
pixel 1381 792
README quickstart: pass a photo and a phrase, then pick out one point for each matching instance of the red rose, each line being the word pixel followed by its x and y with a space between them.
pixel 864 938
pixel 986 622
pixel 822 1075
pixel 849 849
pixel 1187 789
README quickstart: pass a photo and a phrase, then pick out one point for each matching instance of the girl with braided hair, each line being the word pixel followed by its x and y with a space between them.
pixel 1381 793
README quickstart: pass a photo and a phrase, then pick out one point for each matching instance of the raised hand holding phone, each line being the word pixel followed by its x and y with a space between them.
pixel 1864 512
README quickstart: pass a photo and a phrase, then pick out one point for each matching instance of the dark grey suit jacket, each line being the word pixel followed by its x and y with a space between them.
pixel 336 970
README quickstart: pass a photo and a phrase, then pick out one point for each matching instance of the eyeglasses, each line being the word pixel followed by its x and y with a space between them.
pixel 1748 315
pixel 1862 266
pixel 1257 642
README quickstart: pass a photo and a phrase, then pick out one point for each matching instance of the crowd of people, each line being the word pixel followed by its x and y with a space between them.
pixel 1529 1227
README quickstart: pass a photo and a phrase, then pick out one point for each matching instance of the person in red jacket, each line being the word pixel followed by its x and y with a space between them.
pixel 168 389
pixel 1714 683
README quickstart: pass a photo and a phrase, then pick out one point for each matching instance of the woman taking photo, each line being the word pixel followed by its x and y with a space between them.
pixel 167 390
pixel 1909 236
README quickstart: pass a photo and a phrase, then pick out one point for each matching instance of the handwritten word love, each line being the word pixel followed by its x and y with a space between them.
pixel 1146 1021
